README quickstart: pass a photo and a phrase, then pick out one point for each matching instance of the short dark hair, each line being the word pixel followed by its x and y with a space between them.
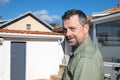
pixel 81 15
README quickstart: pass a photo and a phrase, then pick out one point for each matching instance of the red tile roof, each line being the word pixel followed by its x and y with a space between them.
pixel 89 18
pixel 28 32
pixel 111 10
pixel 114 9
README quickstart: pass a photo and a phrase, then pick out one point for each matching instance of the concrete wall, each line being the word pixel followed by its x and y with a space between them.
pixel 42 59
pixel 5 61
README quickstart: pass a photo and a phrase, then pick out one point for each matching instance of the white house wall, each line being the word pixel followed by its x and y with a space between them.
pixel 43 59
pixel 5 61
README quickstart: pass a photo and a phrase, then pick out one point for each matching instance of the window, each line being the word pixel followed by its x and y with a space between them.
pixel 108 38
pixel 28 27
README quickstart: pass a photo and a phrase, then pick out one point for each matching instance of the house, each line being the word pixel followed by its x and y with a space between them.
pixel 105 32
pixel 29 50
pixel 26 21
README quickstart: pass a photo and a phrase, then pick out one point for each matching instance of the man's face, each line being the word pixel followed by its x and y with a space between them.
pixel 74 32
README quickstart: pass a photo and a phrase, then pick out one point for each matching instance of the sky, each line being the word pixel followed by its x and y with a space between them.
pixel 51 10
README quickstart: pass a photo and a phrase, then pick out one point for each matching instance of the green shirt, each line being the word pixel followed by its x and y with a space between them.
pixel 85 64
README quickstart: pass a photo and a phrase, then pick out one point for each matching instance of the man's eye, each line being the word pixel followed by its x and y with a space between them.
pixel 72 29
pixel 64 30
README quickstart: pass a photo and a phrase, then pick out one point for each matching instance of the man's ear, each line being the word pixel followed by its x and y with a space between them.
pixel 86 28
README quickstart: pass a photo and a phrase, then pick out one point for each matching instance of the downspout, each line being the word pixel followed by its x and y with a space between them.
pixel 61 40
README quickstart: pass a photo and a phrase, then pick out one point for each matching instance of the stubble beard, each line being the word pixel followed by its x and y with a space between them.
pixel 72 43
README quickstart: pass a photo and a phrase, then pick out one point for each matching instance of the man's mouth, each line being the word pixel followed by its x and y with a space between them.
pixel 70 40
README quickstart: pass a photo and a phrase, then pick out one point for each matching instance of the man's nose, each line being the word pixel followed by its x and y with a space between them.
pixel 68 32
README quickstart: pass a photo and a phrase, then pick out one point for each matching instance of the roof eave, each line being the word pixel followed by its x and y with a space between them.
pixel 28 36
pixel 107 18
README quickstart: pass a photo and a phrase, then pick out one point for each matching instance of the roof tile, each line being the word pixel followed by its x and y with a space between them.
pixel 28 32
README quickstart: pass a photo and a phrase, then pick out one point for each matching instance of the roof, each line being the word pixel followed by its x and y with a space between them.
pixel 110 11
pixel 29 13
pixel 27 35
pixel 114 9
pixel 28 32
pixel 58 29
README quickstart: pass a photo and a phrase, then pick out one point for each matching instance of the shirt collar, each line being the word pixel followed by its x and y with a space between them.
pixel 83 45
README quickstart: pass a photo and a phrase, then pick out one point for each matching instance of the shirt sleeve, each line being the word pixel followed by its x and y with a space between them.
pixel 86 70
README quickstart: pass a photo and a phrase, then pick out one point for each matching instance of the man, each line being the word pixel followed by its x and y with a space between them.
pixel 86 63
